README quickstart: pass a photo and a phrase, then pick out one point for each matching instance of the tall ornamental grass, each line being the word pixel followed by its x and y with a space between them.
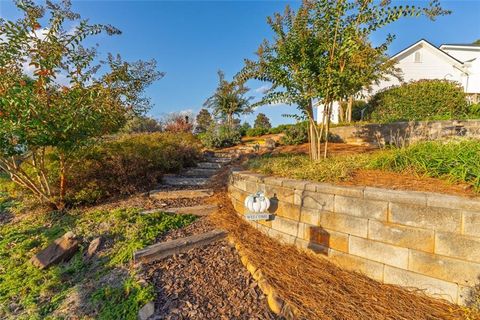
pixel 456 161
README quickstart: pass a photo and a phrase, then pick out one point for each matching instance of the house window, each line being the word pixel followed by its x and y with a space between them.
pixel 418 57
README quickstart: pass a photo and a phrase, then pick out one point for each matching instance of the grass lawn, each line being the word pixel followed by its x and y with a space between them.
pixel 453 161
pixel 102 288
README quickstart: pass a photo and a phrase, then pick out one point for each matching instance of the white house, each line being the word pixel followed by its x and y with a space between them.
pixel 423 60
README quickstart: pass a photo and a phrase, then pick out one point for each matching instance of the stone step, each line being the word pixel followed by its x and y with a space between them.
pixel 201 210
pixel 218 160
pixel 162 250
pixel 180 194
pixel 209 165
pixel 199 172
pixel 184 181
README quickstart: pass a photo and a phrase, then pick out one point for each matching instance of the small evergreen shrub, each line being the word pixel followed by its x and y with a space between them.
pixel 221 136
pixel 280 129
pixel 296 134
pixel 256 132
pixel 419 100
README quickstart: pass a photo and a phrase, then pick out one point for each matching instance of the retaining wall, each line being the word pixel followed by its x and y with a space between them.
pixel 401 133
pixel 414 239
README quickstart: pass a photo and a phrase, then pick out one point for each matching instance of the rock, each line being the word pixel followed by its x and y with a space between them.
pixel 275 303
pixel 94 247
pixel 62 249
pixel 146 311
pixel 270 144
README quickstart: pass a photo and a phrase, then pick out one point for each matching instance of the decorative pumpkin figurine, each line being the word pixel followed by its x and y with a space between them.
pixel 257 203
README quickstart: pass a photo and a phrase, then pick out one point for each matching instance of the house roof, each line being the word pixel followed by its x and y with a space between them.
pixel 470 45
pixel 432 47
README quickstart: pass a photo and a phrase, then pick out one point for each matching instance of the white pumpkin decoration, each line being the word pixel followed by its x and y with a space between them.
pixel 257 203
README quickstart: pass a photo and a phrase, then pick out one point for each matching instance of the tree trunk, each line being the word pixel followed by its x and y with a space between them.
pixel 312 133
pixel 349 109
pixel 63 181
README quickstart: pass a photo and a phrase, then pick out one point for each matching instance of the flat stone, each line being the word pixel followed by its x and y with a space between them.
pixel 94 247
pixel 184 181
pixel 181 194
pixel 199 172
pixel 209 165
pixel 62 249
pixel 201 210
pixel 146 311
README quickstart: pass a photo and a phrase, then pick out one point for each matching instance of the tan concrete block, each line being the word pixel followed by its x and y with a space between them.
pixel 310 216
pixel 240 183
pixel 315 200
pixel 251 187
pixel 293 228
pixel 444 268
pixel 294 184
pixel 266 223
pixel 280 193
pixel 378 251
pixel 361 208
pixel 350 262
pixel 398 196
pixel 471 223
pixel 327 238
pixel 401 236
pixel 273 181
pixel 344 223
pixel 457 246
pixel 349 191
pixel 285 209
pixel 314 247
pixel 432 286
pixel 452 202
pixel 426 217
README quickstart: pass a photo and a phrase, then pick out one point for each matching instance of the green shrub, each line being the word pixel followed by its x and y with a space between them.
pixel 244 128
pixel 474 111
pixel 280 129
pixel 419 100
pixel 256 132
pixel 296 134
pixel 129 164
pixel 221 136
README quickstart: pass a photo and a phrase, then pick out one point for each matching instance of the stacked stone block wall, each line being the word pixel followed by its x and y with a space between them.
pixel 414 239
pixel 403 133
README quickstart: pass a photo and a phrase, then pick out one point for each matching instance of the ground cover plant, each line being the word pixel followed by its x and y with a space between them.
pixel 455 161
pixel 104 287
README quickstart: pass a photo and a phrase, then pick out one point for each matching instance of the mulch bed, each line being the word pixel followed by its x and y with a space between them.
pixel 205 283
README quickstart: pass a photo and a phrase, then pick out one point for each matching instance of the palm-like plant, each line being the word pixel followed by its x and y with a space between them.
pixel 229 99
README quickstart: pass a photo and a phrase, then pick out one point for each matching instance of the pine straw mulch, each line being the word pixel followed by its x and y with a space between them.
pixel 321 290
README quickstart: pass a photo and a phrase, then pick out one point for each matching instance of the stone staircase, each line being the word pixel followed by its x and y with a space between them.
pixel 200 175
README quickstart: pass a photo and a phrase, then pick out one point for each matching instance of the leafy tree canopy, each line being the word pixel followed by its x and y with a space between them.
pixel 203 121
pixel 52 95
pixel 229 99
pixel 262 121
pixel 322 51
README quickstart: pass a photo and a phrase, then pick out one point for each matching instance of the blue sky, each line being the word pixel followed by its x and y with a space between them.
pixel 191 40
